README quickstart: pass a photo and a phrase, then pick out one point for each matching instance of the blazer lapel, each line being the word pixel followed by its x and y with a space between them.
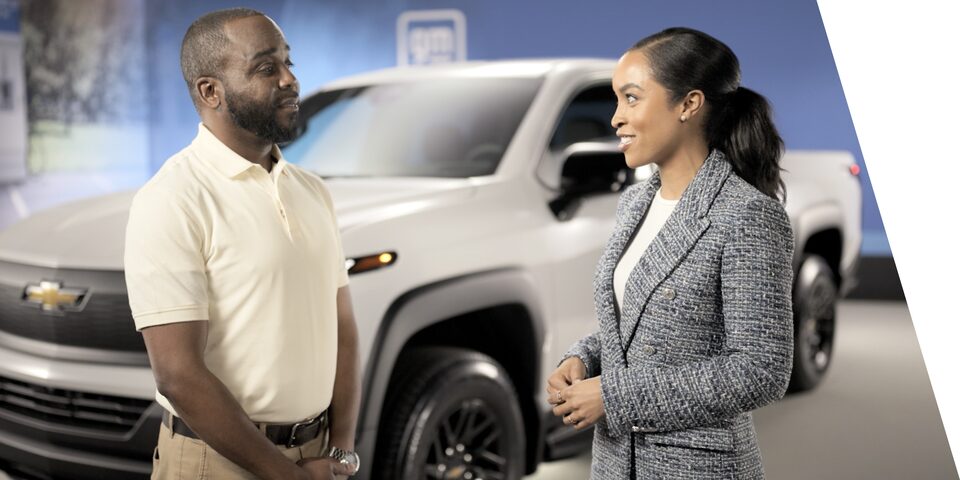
pixel 628 220
pixel 672 244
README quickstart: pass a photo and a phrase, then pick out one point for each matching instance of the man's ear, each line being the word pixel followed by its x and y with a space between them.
pixel 209 92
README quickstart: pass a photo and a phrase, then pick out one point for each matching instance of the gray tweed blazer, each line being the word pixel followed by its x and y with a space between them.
pixel 705 335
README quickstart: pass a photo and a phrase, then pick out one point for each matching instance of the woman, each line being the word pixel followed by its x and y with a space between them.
pixel 693 290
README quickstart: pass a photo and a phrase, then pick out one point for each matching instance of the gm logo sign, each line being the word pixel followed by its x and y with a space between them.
pixel 426 37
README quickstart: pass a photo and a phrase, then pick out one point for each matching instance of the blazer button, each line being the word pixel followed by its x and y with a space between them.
pixel 648 349
pixel 669 293
pixel 635 429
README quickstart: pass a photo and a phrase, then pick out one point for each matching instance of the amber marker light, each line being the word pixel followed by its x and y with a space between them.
pixel 367 263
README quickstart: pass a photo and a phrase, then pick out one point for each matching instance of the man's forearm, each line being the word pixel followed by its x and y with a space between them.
pixel 345 405
pixel 206 405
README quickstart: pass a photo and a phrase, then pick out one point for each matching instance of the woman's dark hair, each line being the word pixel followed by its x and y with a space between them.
pixel 738 119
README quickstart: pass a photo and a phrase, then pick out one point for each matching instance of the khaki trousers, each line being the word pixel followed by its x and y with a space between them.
pixel 182 458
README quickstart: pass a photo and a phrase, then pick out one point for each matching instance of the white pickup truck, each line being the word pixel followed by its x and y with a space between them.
pixel 490 187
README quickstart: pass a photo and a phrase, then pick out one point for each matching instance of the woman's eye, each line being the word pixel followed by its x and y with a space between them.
pixel 630 98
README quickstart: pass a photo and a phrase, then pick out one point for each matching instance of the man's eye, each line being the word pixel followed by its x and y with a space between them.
pixel 289 64
pixel 268 68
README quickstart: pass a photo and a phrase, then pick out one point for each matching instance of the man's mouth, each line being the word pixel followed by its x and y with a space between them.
pixel 292 103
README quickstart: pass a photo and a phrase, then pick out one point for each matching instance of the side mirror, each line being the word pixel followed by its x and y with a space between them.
pixel 589 168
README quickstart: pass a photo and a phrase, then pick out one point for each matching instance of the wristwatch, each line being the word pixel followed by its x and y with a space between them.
pixel 345 457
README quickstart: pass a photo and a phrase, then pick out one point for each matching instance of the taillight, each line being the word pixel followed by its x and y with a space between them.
pixel 855 170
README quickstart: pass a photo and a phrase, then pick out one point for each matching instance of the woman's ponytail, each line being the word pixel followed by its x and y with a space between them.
pixel 744 132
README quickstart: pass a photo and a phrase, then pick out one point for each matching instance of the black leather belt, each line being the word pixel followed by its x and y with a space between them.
pixel 286 434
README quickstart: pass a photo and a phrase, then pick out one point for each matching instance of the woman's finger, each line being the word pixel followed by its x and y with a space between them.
pixel 562 409
pixel 552 397
pixel 557 381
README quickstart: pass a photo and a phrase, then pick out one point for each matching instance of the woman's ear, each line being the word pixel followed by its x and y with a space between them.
pixel 692 104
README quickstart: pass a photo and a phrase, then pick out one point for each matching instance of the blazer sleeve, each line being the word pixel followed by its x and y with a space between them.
pixel 588 350
pixel 754 370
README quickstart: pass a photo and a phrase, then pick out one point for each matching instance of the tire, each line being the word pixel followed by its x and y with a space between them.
pixel 814 323
pixel 450 413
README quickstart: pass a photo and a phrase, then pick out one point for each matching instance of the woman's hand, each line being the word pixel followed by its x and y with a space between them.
pixel 570 371
pixel 581 404
pixel 578 401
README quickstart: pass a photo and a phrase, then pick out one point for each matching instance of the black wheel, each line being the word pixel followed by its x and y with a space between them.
pixel 450 414
pixel 814 319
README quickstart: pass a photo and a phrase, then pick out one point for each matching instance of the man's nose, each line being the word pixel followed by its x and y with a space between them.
pixel 288 79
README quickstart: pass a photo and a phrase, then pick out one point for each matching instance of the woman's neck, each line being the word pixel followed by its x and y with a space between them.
pixel 677 172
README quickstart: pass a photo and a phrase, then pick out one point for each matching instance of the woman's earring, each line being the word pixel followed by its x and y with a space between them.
pixel 683 118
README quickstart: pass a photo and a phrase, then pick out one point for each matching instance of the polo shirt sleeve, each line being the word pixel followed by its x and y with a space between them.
pixel 164 262
pixel 342 276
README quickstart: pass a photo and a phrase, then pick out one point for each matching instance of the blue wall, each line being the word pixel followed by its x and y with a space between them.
pixel 782 47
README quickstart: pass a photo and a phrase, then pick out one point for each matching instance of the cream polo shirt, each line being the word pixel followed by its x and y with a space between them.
pixel 214 237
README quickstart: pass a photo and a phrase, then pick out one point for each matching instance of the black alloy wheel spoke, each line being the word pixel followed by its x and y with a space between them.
pixel 432 471
pixel 476 429
pixel 493 436
pixel 437 449
pixel 448 433
pixel 494 459
pixel 468 414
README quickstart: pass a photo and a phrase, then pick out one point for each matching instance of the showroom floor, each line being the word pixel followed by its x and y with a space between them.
pixel 874 417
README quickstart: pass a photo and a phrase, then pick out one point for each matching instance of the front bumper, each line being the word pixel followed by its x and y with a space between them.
pixel 40 442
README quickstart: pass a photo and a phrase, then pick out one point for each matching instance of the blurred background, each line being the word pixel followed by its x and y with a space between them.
pixel 106 103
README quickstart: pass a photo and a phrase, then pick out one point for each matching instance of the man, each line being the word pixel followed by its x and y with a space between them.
pixel 237 279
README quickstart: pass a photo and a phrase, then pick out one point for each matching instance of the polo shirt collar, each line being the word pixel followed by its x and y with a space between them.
pixel 226 161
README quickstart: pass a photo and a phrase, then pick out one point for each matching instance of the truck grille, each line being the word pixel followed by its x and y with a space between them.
pixel 71 408
pixel 105 323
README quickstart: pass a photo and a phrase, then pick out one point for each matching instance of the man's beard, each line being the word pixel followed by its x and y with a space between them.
pixel 260 118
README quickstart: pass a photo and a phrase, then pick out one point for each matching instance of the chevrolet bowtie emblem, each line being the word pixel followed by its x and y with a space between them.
pixel 52 297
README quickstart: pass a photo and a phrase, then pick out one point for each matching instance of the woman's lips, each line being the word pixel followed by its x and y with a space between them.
pixel 625 142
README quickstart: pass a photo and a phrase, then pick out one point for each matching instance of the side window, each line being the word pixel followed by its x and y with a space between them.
pixel 586 118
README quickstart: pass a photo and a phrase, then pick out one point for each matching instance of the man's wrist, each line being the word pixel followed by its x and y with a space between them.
pixel 346 458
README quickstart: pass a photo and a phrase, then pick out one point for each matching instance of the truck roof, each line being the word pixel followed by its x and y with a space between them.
pixel 527 68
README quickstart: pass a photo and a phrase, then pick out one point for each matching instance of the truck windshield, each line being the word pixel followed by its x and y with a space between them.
pixel 438 128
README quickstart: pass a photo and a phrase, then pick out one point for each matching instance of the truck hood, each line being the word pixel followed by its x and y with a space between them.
pixel 89 234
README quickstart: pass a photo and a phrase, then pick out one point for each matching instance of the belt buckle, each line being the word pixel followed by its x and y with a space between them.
pixel 296 427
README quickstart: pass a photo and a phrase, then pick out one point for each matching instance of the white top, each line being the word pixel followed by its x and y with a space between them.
pixel 660 209
pixel 215 237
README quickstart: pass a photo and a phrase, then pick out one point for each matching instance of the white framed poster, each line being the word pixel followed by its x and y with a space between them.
pixel 427 37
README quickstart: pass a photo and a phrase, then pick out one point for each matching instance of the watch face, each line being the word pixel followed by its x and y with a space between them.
pixel 347 458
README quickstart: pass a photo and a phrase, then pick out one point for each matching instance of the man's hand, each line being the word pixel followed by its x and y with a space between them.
pixel 570 371
pixel 582 404
pixel 324 468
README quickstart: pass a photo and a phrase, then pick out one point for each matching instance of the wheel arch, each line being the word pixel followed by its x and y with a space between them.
pixel 495 312
pixel 819 231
